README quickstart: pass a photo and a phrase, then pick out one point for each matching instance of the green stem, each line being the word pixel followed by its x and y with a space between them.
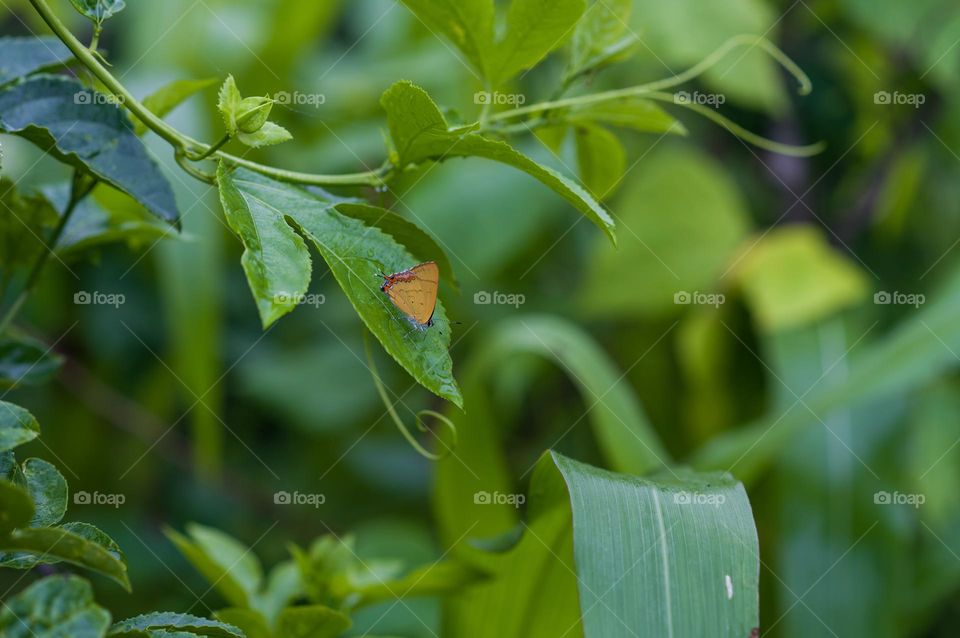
pixel 175 137
pixel 80 188
pixel 210 151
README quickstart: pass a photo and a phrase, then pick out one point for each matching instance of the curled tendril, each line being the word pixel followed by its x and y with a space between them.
pixel 183 161
pixel 382 391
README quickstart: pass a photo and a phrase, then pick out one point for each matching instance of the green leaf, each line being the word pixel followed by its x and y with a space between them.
pixel 534 29
pixel 600 35
pixel 311 621
pixel 323 568
pixel 17 426
pixel 675 555
pixel 55 607
pixel 60 544
pixel 47 489
pixel 232 568
pixel 229 104
pixel 169 621
pixel 283 585
pixel 629 112
pixel 246 118
pixel 16 508
pixel 420 132
pixel 601 160
pixel 466 23
pixel 98 10
pixel 267 135
pixel 684 220
pixel 792 277
pixel 355 253
pixel 168 97
pixel 26 361
pixel 61 116
pixel 22 56
pixel 250 622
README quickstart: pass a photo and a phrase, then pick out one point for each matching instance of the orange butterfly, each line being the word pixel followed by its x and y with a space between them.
pixel 414 292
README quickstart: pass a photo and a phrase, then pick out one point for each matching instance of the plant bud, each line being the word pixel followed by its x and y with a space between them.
pixel 252 113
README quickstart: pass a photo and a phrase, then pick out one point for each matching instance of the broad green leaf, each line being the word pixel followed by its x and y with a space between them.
pixel 26 361
pixel 627 440
pixel 311 621
pixel 607 554
pixel 267 135
pixel 169 621
pixel 466 23
pixel 74 124
pixel 601 35
pixel 417 240
pixel 168 97
pixel 275 258
pixel 232 568
pixel 355 254
pixel 60 544
pixel 629 112
pixel 601 160
pixel 534 29
pixel 47 489
pixel 419 132
pixel 55 607
pixel 20 560
pixel 98 10
pixel 249 621
pixel 17 426
pixel 16 508
pixel 25 222
pixel 25 55
pixel 791 276
pixel 683 219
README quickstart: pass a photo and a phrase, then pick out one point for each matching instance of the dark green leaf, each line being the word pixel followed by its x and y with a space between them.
pixel 466 23
pixel 311 621
pixel 170 621
pixel 25 221
pixel 25 361
pixel 47 489
pixel 16 508
pixel 167 98
pixel 17 426
pixel 59 544
pixel 73 123
pixel 534 29
pixel 55 607
pixel 420 132
pixel 355 253
pixel 98 10
pixel 25 55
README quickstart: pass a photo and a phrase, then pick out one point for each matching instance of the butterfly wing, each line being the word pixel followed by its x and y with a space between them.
pixel 416 296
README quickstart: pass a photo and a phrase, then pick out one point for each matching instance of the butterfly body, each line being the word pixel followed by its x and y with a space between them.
pixel 414 292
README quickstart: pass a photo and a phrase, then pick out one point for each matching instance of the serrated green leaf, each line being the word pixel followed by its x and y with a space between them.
pixel 267 135
pixel 466 23
pixel 17 426
pixel 26 361
pixel 61 116
pixel 21 56
pixel 311 621
pixel 228 104
pixel 169 621
pixel 420 132
pixel 601 160
pixel 47 489
pixel 16 507
pixel 19 560
pixel 355 253
pixel 98 10
pixel 55 607
pixel 534 29
pixel 59 544
pixel 168 97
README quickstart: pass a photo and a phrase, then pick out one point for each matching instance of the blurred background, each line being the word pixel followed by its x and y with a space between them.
pixel 743 280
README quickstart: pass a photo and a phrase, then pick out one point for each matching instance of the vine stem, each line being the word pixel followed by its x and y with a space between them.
pixel 78 190
pixel 184 142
